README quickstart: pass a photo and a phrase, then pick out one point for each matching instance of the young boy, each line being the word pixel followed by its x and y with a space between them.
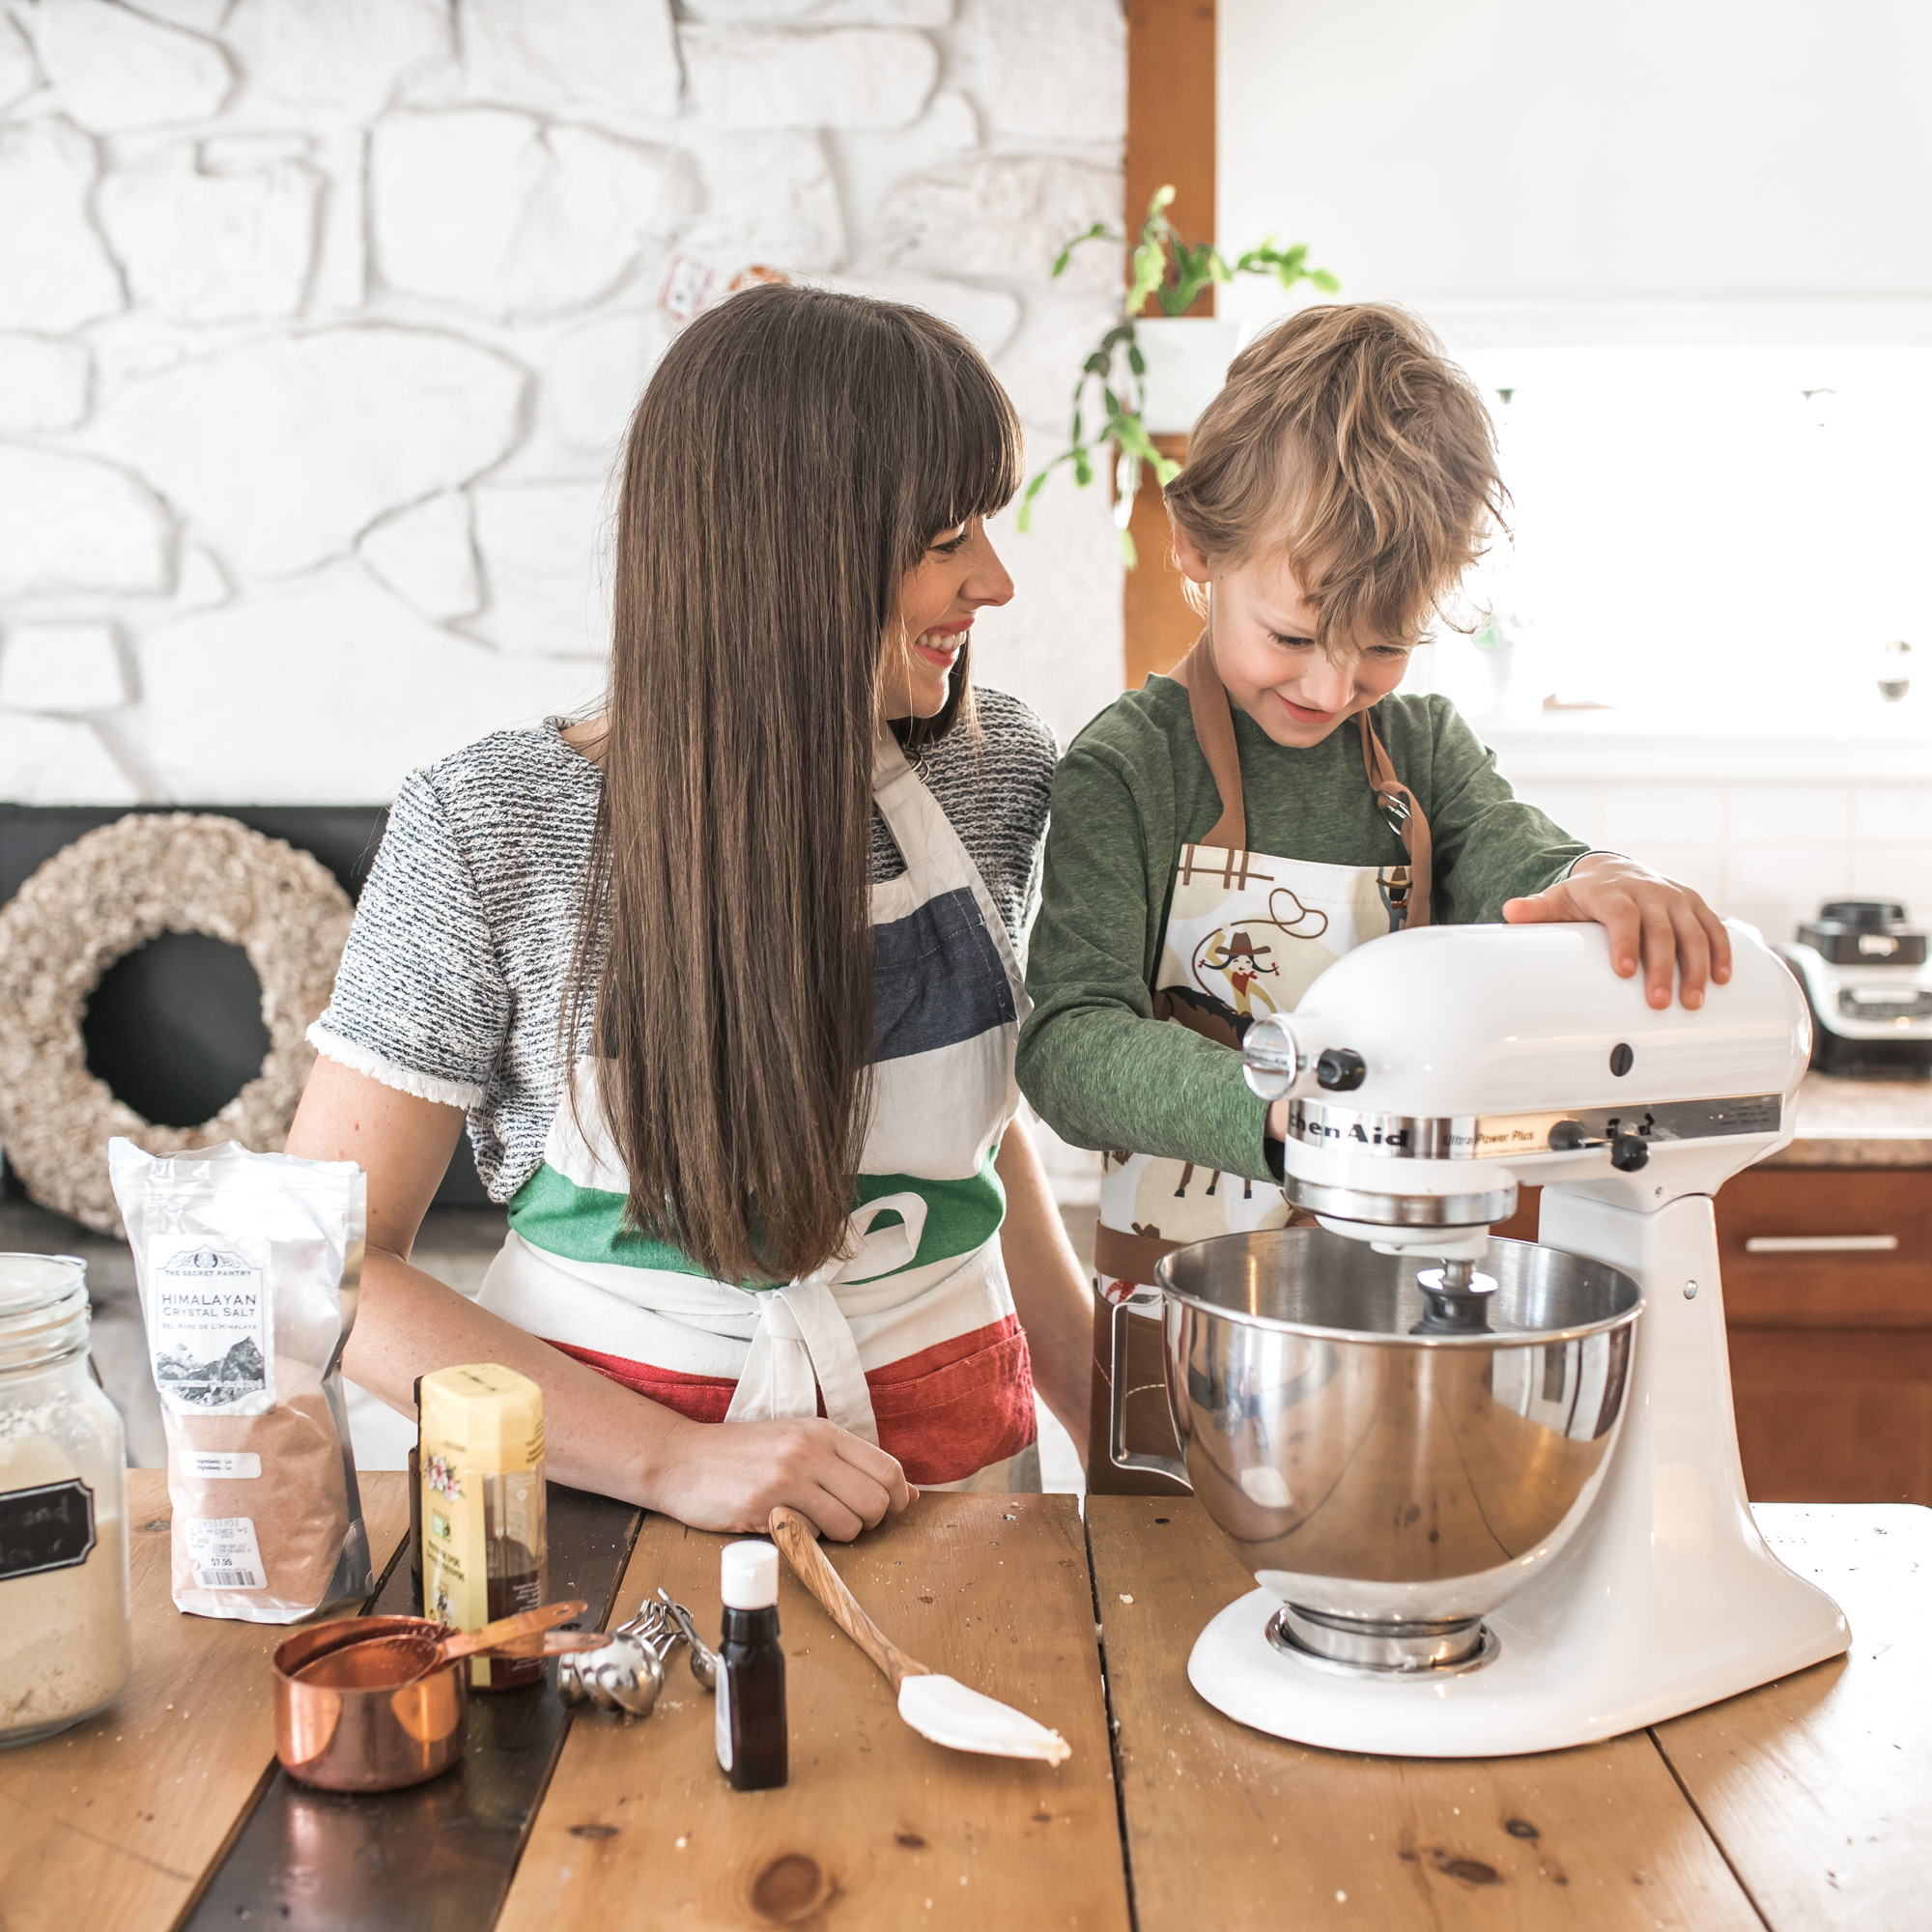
pixel 1221 836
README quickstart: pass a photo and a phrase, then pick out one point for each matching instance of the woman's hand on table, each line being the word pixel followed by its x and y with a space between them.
pixel 730 1475
pixel 1652 922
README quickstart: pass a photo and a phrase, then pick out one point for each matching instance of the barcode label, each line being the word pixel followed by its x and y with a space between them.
pixel 229 1579
pixel 223 1552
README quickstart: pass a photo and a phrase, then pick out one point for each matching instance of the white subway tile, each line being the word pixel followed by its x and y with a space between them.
pixel 1813 813
pixel 1638 816
pixel 1787 875
pixel 1899 815
pixel 1893 873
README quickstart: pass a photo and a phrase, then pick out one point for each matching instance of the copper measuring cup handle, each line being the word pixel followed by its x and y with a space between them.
pixel 505 1630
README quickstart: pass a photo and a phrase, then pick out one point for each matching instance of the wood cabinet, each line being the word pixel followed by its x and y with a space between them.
pixel 1828 1291
pixel 1827 1299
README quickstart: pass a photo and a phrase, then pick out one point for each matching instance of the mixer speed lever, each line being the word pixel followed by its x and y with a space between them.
pixel 1628 1152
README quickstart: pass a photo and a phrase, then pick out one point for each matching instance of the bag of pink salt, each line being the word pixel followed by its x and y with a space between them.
pixel 248 1267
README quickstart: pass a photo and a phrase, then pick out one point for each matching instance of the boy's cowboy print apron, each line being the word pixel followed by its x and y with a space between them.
pixel 912 1340
pixel 1247 933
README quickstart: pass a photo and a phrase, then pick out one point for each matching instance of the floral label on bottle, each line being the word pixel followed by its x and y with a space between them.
pixel 49 1527
pixel 210 1331
pixel 224 1553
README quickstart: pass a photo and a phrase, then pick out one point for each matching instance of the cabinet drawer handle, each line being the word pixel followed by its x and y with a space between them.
pixel 1821 1244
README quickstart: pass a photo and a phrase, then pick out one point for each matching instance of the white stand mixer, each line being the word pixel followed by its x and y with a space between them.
pixel 1429 1073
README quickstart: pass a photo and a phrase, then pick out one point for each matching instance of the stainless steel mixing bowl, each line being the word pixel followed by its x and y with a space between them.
pixel 1390 1487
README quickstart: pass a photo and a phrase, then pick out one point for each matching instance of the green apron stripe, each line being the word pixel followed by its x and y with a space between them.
pixel 584 1224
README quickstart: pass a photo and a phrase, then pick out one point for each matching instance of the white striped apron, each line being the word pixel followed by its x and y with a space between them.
pixel 910 1340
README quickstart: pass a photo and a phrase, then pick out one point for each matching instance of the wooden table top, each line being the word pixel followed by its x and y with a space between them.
pixel 1801 1804
pixel 878 1827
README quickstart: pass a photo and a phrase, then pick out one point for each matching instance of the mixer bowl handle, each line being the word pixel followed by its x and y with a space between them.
pixel 1118 1452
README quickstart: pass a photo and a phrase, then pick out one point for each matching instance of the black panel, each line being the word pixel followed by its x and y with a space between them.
pixel 205 1023
pixel 439 1855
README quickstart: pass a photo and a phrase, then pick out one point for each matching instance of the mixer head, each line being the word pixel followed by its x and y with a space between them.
pixel 1428 1072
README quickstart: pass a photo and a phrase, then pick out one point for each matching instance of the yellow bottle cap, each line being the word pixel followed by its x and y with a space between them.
pixel 489 1415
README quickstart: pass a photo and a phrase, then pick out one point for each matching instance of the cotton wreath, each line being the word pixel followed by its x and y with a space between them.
pixel 107 893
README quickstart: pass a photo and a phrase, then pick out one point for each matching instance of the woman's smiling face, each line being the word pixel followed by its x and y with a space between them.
pixel 957 578
pixel 1263 634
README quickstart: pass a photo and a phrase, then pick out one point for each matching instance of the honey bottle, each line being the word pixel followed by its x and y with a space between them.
pixel 483 1540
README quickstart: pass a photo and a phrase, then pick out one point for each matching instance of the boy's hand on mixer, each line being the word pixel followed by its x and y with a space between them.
pixel 731 1475
pixel 1652 922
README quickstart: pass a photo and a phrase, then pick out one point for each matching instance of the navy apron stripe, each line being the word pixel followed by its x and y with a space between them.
pixel 937 978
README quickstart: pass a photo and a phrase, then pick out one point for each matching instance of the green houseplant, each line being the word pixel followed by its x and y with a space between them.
pixel 1111 395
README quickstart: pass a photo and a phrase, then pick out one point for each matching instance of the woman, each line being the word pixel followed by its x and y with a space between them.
pixel 726 980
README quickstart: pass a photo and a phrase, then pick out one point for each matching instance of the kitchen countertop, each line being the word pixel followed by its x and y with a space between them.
pixel 1798 1804
pixel 1859 1124
pixel 1802 1803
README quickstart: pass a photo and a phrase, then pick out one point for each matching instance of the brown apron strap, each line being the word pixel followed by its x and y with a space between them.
pixel 1414 833
pixel 1129 1258
pixel 1214 731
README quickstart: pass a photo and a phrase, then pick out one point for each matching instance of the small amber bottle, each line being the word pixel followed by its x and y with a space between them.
pixel 751 1669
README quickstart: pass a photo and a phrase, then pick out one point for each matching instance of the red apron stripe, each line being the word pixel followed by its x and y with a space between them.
pixel 946 1412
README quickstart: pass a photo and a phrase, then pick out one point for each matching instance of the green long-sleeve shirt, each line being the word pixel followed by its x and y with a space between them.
pixel 1131 791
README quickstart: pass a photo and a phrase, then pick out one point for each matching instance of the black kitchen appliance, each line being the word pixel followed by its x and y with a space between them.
pixel 1865 974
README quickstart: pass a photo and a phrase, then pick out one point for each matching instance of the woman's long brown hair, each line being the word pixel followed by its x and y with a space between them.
pixel 795 454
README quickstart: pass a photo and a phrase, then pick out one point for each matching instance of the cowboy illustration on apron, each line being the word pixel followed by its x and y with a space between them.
pixel 1248 934
pixel 910 1339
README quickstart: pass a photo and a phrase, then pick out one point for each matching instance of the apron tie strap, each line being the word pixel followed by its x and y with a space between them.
pixel 804 1345
pixel 1399 803
pixel 1214 733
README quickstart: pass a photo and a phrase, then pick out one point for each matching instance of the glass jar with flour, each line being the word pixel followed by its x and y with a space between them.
pixel 64 1637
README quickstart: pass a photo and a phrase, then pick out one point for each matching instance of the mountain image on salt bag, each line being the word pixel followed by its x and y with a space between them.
pixel 211 1385
pixel 210 1330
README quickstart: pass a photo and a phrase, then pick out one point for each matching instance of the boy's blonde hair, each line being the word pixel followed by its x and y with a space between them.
pixel 1347 443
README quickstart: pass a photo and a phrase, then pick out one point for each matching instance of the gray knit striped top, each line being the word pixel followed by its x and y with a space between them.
pixel 452 984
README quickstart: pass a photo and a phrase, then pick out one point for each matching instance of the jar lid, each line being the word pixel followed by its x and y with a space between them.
pixel 44 1308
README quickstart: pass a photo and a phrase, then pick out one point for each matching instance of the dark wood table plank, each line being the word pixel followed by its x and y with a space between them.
pixel 1229 1828
pixel 439 1855
pixel 878 1827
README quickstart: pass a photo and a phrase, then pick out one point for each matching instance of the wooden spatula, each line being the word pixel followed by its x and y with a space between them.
pixel 937 1707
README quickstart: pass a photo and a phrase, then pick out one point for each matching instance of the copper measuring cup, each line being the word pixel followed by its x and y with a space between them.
pixel 376 1739
pixel 376 1703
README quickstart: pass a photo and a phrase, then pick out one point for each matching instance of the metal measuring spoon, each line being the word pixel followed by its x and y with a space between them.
pixel 622 1676
pixel 704 1658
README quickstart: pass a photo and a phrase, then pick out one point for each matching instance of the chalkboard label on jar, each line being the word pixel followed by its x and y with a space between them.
pixel 50 1527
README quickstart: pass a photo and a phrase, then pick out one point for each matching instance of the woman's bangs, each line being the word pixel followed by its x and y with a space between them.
pixel 971 419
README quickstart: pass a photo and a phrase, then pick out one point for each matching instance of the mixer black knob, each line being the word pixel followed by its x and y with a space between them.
pixel 1629 1152
pixel 1341 1069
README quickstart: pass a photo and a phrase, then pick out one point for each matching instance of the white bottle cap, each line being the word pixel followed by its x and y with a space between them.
pixel 749 1575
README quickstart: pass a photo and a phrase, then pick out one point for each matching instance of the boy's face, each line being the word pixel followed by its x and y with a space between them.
pixel 1263 641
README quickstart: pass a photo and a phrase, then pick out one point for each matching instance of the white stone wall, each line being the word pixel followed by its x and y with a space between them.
pixel 320 320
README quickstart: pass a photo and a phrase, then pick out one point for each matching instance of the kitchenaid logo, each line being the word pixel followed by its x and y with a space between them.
pixel 1307 1126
